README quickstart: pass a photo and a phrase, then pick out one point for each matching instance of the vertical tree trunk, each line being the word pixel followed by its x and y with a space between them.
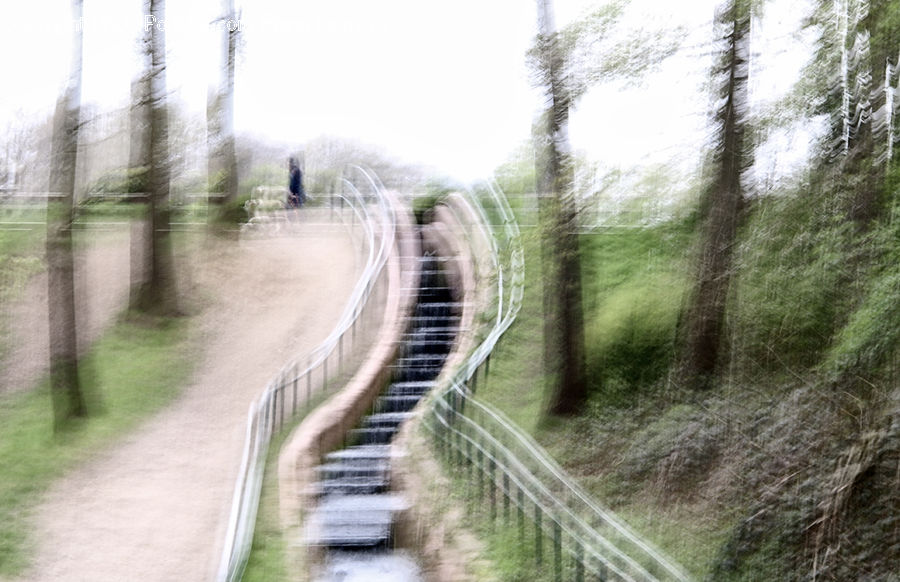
pixel 68 401
pixel 139 169
pixel 159 294
pixel 222 162
pixel 703 330
pixel 231 31
pixel 564 326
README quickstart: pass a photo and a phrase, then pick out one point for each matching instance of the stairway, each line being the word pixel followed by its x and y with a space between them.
pixel 356 510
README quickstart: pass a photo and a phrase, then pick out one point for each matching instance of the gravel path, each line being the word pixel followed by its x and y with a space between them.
pixel 155 505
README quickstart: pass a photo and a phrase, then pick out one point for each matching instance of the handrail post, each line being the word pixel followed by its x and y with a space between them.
pixel 492 489
pixel 505 498
pixel 557 551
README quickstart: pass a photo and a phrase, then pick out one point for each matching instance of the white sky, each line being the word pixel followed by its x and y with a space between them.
pixel 444 83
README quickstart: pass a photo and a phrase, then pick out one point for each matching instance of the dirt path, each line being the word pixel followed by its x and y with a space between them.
pixel 155 505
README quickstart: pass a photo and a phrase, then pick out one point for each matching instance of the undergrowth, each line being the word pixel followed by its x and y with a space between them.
pixel 786 468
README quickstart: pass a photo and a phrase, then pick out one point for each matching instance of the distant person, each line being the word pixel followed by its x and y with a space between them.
pixel 296 195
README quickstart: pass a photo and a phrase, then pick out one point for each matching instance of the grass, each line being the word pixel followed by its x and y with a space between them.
pixel 267 561
pixel 515 383
pixel 732 482
pixel 129 374
pixel 510 551
pixel 633 284
pixel 21 252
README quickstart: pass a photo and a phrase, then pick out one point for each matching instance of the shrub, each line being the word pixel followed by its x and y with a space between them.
pixel 631 337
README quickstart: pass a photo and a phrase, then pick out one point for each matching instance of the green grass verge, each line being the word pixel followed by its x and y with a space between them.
pixel 515 383
pixel 133 371
pixel 21 251
pixel 267 561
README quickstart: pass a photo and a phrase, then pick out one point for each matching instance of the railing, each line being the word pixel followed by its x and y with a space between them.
pixel 499 456
pixel 295 384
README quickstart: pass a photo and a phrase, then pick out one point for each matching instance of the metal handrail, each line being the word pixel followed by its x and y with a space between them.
pixel 474 433
pixel 280 398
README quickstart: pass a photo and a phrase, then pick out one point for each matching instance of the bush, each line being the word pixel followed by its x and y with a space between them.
pixel 119 181
pixel 872 333
pixel 233 211
pixel 792 286
pixel 634 280
pixel 632 335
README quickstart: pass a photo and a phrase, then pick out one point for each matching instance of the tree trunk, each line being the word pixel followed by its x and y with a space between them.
pixel 139 169
pixel 231 179
pixel 564 324
pixel 222 162
pixel 68 400
pixel 703 330
pixel 159 295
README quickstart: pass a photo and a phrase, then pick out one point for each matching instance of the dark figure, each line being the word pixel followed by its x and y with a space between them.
pixel 296 196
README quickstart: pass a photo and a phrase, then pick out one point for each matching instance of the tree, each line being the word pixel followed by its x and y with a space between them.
pixel 721 207
pixel 157 293
pixel 223 169
pixel 68 400
pixel 855 75
pixel 138 171
pixel 567 63
pixel 563 316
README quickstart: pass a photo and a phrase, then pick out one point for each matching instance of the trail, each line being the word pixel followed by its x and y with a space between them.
pixel 154 506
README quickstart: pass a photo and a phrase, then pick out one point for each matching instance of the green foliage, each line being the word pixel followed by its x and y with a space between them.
pixel 631 337
pixel 120 181
pixel 217 182
pixel 515 384
pixel 872 333
pixel 435 189
pixel 516 176
pixel 14 273
pixel 264 175
pixel 790 292
pixel 21 256
pixel 593 50
pixel 322 180
pixel 233 211
pixel 634 283
pixel 129 374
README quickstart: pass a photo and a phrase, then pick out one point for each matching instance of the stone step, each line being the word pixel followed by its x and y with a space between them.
pixel 421 361
pixel 413 388
pixel 386 419
pixel 351 486
pixel 353 520
pixel 416 373
pixel 434 321
pixel 364 468
pixel 396 403
pixel 437 309
pixel 421 347
pixel 361 453
pixel 380 435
